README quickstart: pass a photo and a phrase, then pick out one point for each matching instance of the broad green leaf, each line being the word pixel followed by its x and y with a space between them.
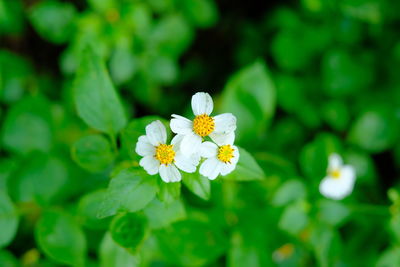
pixel 96 100
pixel 8 220
pixel 128 230
pixel 375 130
pixel 123 65
pixel 161 215
pixel 332 212
pixel 61 238
pixel 27 126
pixel 88 207
pixel 112 254
pixel 41 179
pixel 250 96
pixel 93 153
pixel 197 184
pixel 131 190
pixel 294 218
pixel 191 243
pixel 53 20
pixel 247 169
pixel 291 190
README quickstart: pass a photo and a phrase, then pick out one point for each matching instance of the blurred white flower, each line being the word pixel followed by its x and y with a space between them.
pixel 158 157
pixel 340 179
pixel 220 159
pixel 219 128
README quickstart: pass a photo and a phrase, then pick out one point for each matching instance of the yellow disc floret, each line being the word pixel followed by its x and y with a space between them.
pixel 203 125
pixel 225 153
pixel 335 173
pixel 165 154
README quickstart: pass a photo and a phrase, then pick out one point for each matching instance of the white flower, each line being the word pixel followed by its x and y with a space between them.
pixel 340 179
pixel 221 158
pixel 158 157
pixel 219 127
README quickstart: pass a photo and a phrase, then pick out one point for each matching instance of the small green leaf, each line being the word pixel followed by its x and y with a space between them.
pixel 93 153
pixel 27 126
pixel 96 100
pixel 294 218
pixel 53 20
pixel 291 190
pixel 332 212
pixel 88 208
pixel 250 96
pixel 7 259
pixel 131 190
pixel 202 13
pixel 8 220
pixel 128 230
pixel 61 238
pixel 375 130
pixel 161 215
pixel 168 192
pixel 112 254
pixel 197 184
pixel 247 169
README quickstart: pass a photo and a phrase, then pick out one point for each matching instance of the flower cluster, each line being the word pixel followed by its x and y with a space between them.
pixel 188 147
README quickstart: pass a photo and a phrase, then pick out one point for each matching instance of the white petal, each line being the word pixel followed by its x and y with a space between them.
pixel 227 168
pixel 144 148
pixel 335 188
pixel 169 173
pixel 334 161
pixel 225 123
pixel 176 141
pixel 185 163
pixel 211 168
pixel 180 125
pixel 156 133
pixel 223 139
pixel 348 173
pixel 150 164
pixel 202 103
pixel 190 144
pixel 208 150
pixel 236 155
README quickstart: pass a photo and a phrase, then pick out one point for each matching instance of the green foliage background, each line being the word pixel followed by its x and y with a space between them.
pixel 79 81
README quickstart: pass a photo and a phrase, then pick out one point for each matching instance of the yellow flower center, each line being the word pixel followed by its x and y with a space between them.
pixel 165 154
pixel 335 173
pixel 203 125
pixel 225 153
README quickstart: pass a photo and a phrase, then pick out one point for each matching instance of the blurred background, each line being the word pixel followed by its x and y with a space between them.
pixel 304 79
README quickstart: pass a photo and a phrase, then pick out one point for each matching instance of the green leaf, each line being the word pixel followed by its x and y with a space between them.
pixel 250 96
pixel 168 192
pixel 41 179
pixel 326 244
pixel 88 207
pixel 7 166
pixel 53 20
pixel 332 212
pixel 128 230
pixel 191 243
pixel 291 190
pixel 202 13
pixel 11 17
pixel 160 214
pixel 8 220
pixel 375 130
pixel 131 190
pixel 93 153
pixel 61 238
pixel 7 259
pixel 389 258
pixel 247 169
pixel 123 65
pixel 96 100
pixel 27 126
pixel 112 254
pixel 294 218
pixel 197 184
